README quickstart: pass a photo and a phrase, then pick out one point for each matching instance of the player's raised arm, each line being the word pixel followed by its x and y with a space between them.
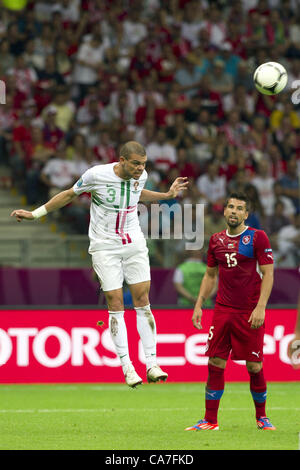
pixel 57 202
pixel 180 184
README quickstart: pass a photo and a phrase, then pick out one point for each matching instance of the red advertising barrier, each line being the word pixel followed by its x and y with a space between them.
pixel 52 346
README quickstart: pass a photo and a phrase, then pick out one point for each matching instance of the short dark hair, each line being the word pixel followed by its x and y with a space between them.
pixel 132 147
pixel 240 197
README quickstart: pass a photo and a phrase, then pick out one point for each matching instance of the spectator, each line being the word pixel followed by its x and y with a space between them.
pixel 289 210
pixel 289 183
pixel 52 133
pixel 26 77
pixel 90 111
pixel 69 10
pixel 213 221
pixel 43 44
pixel 258 135
pixel 141 65
pixel 188 76
pixel 7 60
pixel 235 129
pixel 288 244
pixel 257 216
pixel 184 166
pixel 16 39
pixel 65 109
pixel 134 29
pixel 243 76
pixel 215 25
pixel 63 62
pixel 166 65
pixel 188 276
pixel 181 46
pixel 284 110
pixel 204 133
pixel 161 152
pixel 105 151
pixel 220 81
pixel 88 64
pixel 19 158
pixel 264 184
pixel 212 186
pixel 50 75
pixel 192 22
pixel 40 153
pixel 146 133
pixel 59 173
pixel 230 59
pixel 240 100
pixel 178 134
pixel 210 100
pixel 277 220
pixel 238 183
pixel 8 119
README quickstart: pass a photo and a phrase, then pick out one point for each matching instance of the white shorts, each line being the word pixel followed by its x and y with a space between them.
pixel 129 262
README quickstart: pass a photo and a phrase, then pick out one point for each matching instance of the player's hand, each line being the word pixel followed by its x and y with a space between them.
pixel 180 184
pixel 257 317
pixel 293 352
pixel 21 214
pixel 196 318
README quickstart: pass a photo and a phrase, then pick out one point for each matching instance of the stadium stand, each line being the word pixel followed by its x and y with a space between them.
pixel 83 77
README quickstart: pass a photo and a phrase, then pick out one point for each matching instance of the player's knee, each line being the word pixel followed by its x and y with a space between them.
pixel 114 302
pixel 140 299
pixel 253 367
pixel 217 362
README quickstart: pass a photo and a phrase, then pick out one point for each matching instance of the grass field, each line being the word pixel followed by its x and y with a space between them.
pixel 153 417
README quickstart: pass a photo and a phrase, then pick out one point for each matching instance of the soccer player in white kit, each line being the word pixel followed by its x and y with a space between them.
pixel 118 247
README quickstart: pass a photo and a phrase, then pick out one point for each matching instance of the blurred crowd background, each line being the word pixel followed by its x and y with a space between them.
pixel 84 76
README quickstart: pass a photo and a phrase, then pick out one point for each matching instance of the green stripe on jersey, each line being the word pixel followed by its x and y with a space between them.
pixel 96 199
pixel 127 193
pixel 122 193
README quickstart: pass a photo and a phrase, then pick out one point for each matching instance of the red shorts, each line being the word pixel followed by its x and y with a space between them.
pixel 230 332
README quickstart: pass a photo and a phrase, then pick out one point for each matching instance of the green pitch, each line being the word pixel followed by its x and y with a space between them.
pixel 152 417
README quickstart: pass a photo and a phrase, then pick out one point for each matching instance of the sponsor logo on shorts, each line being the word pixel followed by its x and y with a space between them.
pixel 256 353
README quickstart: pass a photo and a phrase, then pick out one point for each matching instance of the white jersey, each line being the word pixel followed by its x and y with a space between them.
pixel 113 213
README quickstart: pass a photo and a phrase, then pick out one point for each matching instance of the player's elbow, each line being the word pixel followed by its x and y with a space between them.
pixel 211 273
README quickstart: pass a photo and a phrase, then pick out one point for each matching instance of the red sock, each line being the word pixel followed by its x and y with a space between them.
pixel 213 393
pixel 258 390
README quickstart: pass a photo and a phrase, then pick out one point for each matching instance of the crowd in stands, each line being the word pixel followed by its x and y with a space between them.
pixel 84 76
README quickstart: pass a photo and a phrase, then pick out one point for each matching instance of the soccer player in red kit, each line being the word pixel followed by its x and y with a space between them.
pixel 241 257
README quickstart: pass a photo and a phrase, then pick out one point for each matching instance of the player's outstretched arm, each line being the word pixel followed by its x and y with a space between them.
pixel 180 184
pixel 207 286
pixel 57 202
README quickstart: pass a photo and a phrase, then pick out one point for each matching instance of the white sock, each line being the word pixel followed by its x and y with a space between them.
pixel 146 327
pixel 118 333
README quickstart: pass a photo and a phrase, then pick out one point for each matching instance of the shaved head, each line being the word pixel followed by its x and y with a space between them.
pixel 130 148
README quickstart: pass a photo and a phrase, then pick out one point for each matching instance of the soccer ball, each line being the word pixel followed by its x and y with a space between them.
pixel 270 78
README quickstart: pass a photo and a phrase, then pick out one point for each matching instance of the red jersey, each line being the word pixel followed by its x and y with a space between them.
pixel 238 258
